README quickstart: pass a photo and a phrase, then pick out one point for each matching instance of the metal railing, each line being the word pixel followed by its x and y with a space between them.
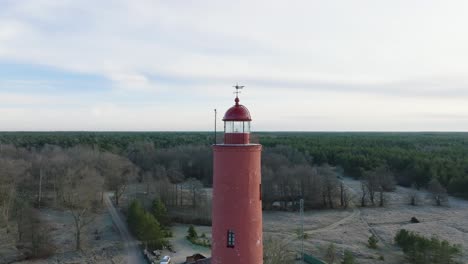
pixel 254 138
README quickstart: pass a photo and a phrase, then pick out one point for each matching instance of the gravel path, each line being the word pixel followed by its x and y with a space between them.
pixel 134 254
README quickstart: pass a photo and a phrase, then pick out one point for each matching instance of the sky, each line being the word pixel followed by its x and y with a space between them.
pixel 148 65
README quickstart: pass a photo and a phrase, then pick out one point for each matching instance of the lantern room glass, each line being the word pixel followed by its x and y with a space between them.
pixel 237 127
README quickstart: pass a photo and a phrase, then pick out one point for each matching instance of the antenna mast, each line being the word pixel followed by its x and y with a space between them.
pixel 215 112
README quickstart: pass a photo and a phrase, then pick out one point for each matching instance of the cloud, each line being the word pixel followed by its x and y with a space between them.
pixel 131 81
pixel 177 56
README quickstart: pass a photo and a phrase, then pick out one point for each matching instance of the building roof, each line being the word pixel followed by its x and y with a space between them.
pixel 237 112
pixel 204 261
pixel 201 261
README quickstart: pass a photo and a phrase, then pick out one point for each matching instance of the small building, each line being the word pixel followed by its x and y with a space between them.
pixel 194 258
pixel 197 259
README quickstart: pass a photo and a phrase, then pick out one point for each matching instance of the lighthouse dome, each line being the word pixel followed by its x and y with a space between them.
pixel 237 112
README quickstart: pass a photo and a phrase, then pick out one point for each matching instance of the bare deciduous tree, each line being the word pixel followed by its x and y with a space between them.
pixel 363 194
pixel 413 195
pixel 33 233
pixel 372 185
pixel 196 190
pixel 11 172
pixel 329 186
pixel 345 196
pixel 379 180
pixel 438 192
pixel 117 172
pixel 81 191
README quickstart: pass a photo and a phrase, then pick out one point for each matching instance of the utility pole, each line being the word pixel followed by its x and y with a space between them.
pixel 301 202
pixel 40 187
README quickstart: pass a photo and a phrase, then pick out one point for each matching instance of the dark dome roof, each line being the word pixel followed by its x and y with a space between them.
pixel 237 112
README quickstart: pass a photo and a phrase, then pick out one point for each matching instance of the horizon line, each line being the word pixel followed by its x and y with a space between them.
pixel 218 132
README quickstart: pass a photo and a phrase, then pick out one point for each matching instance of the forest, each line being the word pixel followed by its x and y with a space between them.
pixel 72 171
pixel 413 158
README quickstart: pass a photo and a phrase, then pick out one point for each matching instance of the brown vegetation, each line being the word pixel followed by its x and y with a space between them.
pixel 72 180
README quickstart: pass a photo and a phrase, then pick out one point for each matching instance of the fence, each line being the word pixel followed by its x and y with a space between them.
pixel 312 260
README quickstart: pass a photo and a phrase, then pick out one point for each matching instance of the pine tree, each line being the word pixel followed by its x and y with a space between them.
pixel 192 233
pixel 373 242
pixel 151 233
pixel 348 258
pixel 135 217
pixel 159 211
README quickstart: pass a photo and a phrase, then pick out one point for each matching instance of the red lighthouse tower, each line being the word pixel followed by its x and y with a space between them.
pixel 237 205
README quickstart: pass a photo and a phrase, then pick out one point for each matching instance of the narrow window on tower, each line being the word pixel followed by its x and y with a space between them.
pixel 231 239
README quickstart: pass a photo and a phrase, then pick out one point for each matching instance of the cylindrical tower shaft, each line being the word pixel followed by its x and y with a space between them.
pixel 237 206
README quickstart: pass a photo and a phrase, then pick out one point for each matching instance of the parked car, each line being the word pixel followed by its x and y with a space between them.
pixel 165 260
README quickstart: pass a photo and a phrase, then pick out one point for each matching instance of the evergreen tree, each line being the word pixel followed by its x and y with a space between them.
pixel 145 226
pixel 192 233
pixel 373 242
pixel 348 258
pixel 159 211
pixel 135 217
pixel 151 233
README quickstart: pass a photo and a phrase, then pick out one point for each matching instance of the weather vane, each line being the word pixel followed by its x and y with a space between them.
pixel 238 88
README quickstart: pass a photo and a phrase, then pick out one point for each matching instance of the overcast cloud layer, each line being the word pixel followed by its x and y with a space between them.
pixel 165 65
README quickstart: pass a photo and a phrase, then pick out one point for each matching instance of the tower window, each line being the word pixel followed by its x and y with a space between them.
pixel 231 239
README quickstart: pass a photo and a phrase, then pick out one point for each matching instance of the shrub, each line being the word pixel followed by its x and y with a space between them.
pixel 373 242
pixel 348 258
pixel 298 233
pixel 192 233
pixel 419 249
pixel 192 236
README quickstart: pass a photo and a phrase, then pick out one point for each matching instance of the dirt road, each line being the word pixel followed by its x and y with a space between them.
pixel 134 254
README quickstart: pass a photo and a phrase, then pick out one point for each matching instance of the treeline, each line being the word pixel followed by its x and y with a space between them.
pixel 414 158
pixel 106 141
